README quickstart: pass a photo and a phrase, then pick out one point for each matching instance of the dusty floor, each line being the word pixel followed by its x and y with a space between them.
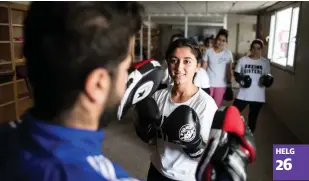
pixel 123 146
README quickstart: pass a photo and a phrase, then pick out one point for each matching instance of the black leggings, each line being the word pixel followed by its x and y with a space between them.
pixel 254 109
pixel 155 175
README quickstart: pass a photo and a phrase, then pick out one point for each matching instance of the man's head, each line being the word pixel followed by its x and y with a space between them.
pixel 78 57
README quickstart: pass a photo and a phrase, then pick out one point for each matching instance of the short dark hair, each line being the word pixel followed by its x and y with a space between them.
pixel 223 32
pixel 65 41
pixel 257 41
pixel 184 42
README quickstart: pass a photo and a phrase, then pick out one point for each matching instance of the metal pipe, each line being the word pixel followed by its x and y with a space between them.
pixel 185 14
pixel 225 21
pixel 189 23
pixel 149 36
pixel 141 43
pixel 186 26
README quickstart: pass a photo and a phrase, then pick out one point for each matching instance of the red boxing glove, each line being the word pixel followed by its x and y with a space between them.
pixel 143 80
pixel 231 147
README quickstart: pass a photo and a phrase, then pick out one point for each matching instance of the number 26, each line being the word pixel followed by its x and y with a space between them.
pixel 286 164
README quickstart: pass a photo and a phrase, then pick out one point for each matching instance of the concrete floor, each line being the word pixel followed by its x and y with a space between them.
pixel 123 147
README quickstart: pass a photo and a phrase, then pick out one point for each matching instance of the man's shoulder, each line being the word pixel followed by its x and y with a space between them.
pixel 10 126
pixel 77 167
pixel 20 156
pixel 9 136
pixel 10 143
pixel 104 169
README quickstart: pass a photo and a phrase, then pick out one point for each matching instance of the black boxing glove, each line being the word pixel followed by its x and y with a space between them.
pixel 147 116
pixel 182 127
pixel 143 80
pixel 266 80
pixel 230 149
pixel 243 80
pixel 162 86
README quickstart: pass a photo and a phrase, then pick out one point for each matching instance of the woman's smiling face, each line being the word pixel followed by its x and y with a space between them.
pixel 182 65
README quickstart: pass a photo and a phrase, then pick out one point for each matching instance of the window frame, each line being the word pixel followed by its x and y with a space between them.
pixel 288 68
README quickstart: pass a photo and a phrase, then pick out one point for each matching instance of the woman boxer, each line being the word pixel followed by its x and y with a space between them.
pixel 171 161
pixel 252 91
pixel 217 62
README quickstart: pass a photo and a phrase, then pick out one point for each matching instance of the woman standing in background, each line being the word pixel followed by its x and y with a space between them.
pixel 253 74
pixel 208 42
pixel 218 63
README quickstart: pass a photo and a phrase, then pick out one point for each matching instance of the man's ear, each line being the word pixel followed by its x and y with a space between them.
pixel 97 85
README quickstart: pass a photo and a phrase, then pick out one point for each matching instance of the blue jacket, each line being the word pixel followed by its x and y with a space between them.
pixel 33 150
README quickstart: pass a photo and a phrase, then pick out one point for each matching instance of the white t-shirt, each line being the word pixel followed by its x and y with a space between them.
pixel 255 69
pixel 217 65
pixel 169 158
pixel 201 79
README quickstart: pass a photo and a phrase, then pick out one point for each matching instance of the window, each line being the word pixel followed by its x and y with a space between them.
pixel 282 36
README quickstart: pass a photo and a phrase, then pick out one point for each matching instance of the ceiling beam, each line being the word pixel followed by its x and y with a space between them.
pixel 181 6
pixel 186 14
pixel 232 6
pixel 190 23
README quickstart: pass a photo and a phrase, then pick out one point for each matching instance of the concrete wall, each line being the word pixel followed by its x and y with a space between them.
pixel 288 97
pixel 240 46
pixel 245 33
pixel 167 31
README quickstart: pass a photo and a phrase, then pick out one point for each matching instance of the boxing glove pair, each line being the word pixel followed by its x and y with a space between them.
pixel 243 80
pixel 180 127
pixel 231 148
pixel 144 78
pixel 266 80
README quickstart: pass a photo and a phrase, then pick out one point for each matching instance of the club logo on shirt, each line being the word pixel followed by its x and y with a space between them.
pixel 187 133
pixel 105 168
pixel 223 59
pixel 102 165
pixel 253 69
